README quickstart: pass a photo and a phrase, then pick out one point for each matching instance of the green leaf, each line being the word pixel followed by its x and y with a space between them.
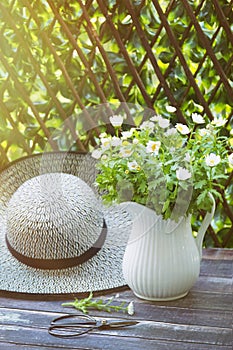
pixel 200 184
pixel 105 32
pixel 165 56
pixel 201 198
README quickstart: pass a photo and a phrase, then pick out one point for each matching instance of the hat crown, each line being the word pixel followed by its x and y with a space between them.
pixel 53 216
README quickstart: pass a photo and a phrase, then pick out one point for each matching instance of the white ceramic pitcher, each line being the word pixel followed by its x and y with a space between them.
pixel 162 258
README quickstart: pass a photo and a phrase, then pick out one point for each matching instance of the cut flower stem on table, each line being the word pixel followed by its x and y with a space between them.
pixel 89 303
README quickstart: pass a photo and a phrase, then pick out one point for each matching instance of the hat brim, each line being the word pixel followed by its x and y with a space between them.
pixel 101 272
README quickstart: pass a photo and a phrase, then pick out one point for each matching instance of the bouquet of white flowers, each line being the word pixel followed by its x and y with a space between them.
pixel 170 169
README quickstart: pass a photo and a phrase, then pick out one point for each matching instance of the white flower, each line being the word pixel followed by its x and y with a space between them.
pixel 182 128
pixel 106 143
pixel 132 166
pixel 116 141
pixel 197 118
pixel 96 153
pixel 135 141
pixel 170 132
pixel 187 157
pixel 116 120
pixel 155 118
pixel 153 147
pixel 103 135
pixel 212 159
pixel 147 125
pixel 203 132
pixel 183 174
pixel 130 308
pixel 219 121
pixel 230 159
pixel 126 134
pixel 171 109
pixel 163 123
pixel 125 152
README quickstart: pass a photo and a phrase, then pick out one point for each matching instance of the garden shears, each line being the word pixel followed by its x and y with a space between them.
pixel 74 325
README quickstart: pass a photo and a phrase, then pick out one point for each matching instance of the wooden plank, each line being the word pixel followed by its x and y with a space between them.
pixel 212 284
pixel 41 319
pixel 202 306
pixel 7 346
pixel 187 316
pixel 218 268
pixel 149 329
pixel 218 254
pixel 159 345
pixel 194 300
pixel 38 337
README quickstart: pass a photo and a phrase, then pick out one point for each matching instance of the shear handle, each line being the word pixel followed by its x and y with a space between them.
pixel 89 321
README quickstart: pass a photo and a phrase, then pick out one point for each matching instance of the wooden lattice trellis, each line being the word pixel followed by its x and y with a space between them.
pixel 59 57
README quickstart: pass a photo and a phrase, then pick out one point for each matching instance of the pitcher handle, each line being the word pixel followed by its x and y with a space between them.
pixel 205 223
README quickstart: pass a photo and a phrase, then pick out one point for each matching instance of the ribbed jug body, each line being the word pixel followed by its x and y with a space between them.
pixel 162 260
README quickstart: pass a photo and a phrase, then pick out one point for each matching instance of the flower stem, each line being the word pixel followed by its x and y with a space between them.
pixel 90 303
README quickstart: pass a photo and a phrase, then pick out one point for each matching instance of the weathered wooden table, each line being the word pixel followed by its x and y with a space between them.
pixel 202 320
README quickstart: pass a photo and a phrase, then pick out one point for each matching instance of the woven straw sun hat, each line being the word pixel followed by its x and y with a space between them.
pixel 55 235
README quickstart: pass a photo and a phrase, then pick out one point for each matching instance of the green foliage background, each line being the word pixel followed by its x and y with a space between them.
pixel 59 57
